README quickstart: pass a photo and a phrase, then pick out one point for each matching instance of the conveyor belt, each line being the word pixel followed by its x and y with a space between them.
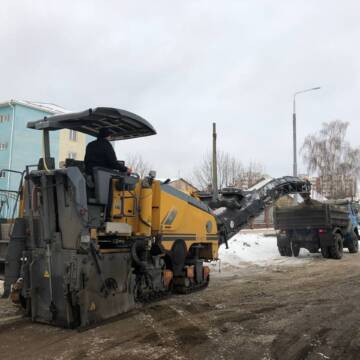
pixel 235 207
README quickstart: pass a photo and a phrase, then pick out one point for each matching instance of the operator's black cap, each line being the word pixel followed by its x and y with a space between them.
pixel 104 133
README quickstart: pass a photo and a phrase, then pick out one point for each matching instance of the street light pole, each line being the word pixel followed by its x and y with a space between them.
pixel 294 126
pixel 214 166
pixel 294 141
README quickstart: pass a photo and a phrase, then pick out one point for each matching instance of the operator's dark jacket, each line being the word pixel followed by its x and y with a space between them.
pixel 101 153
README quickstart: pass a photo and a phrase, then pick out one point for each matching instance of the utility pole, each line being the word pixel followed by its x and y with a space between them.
pixel 214 166
pixel 294 127
pixel 294 143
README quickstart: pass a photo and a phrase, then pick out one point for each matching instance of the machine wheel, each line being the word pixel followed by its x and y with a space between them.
pixel 354 245
pixel 6 292
pixel 295 248
pixel 336 250
pixel 178 257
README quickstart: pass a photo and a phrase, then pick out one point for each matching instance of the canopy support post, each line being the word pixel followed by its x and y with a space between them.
pixel 46 140
pixel 47 160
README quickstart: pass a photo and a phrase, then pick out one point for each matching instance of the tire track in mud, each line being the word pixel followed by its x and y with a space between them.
pixel 32 340
pixel 230 327
pixel 176 326
pixel 194 328
pixel 316 335
pixel 158 318
pixel 299 346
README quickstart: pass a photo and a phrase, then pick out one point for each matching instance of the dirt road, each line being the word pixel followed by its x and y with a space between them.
pixel 309 311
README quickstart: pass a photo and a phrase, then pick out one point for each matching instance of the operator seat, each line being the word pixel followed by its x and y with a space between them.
pixel 102 179
pixel 77 163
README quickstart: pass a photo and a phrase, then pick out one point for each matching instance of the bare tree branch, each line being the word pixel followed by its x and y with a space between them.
pixel 331 156
pixel 138 164
pixel 231 172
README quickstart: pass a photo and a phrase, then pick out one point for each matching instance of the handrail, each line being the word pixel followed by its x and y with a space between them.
pixel 14 195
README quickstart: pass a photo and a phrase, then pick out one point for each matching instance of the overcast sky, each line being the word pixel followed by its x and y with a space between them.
pixel 185 64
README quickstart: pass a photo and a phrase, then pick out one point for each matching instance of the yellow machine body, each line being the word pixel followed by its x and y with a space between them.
pixel 160 211
pixel 93 242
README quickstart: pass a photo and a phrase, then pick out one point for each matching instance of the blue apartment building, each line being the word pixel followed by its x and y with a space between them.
pixel 20 146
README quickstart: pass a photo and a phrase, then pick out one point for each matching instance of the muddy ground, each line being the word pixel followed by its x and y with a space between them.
pixel 307 311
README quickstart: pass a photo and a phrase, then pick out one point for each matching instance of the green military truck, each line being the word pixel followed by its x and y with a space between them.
pixel 326 226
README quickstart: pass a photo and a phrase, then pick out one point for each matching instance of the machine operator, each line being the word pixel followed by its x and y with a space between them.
pixel 101 153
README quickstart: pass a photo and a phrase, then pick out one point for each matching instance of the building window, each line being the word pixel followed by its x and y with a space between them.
pixel 72 135
pixel 72 155
pixel 4 118
pixel 2 174
pixel 3 146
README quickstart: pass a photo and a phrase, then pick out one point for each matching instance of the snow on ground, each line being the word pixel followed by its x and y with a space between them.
pixel 255 248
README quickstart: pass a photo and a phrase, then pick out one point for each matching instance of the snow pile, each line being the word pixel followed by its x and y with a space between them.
pixel 257 249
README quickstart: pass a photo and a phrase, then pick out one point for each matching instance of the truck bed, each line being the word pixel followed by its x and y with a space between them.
pixel 310 216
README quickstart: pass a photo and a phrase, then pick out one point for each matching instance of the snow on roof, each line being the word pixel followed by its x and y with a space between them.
pixel 261 183
pixel 163 179
pixel 47 107
pixel 184 181
pixel 175 179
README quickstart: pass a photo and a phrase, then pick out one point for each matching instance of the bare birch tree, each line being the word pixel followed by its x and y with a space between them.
pixel 231 172
pixel 138 164
pixel 331 156
pixel 229 169
pixel 251 174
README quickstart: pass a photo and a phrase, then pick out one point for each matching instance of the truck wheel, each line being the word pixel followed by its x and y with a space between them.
pixel 325 252
pixel 288 251
pixel 313 250
pixel 281 251
pixel 354 245
pixel 295 248
pixel 336 250
pixel 285 250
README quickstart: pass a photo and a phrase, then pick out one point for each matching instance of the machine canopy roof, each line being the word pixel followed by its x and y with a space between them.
pixel 121 123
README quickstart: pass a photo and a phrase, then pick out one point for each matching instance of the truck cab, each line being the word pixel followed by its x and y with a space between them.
pixel 349 242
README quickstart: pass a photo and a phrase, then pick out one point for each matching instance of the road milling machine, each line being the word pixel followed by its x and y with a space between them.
pixel 87 248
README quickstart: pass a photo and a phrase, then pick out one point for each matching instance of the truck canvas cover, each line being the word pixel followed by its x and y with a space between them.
pixel 121 123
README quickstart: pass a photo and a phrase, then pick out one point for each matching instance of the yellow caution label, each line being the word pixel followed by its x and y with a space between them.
pixel 92 306
pixel 46 274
